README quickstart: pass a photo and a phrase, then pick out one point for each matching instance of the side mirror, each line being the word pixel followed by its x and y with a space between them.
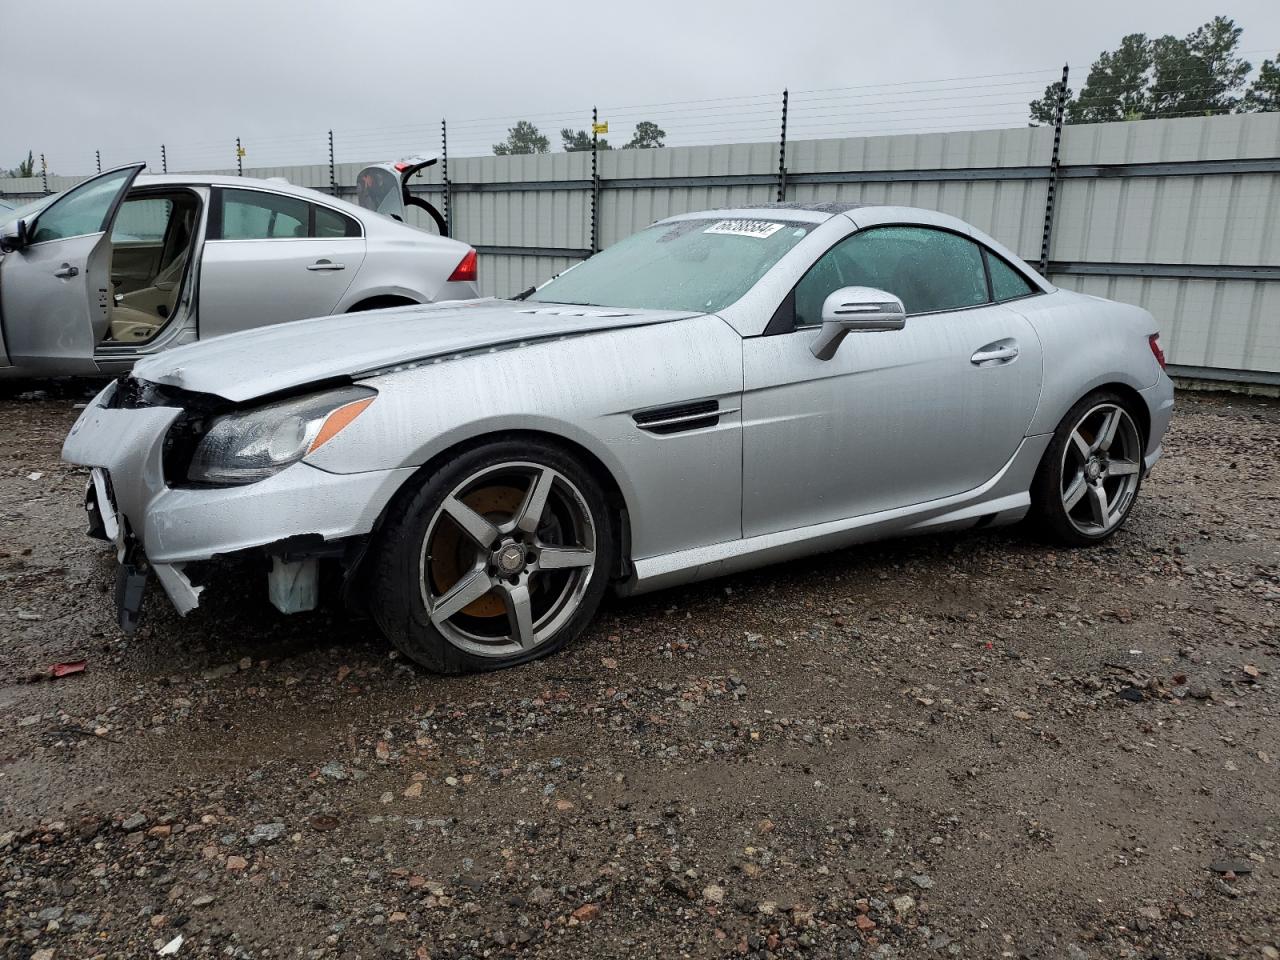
pixel 856 310
pixel 13 235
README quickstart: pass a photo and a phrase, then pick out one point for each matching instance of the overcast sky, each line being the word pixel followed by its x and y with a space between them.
pixel 128 75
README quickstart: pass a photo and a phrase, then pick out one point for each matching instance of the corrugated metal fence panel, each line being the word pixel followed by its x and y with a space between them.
pixel 522 218
pixel 623 212
pixel 1011 210
pixel 1210 219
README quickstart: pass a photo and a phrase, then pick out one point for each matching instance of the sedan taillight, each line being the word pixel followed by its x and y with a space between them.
pixel 1154 341
pixel 466 270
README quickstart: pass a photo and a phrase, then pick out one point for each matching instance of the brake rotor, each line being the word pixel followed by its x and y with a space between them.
pixel 452 554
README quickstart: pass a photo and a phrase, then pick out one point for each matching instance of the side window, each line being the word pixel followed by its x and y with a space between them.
pixel 927 269
pixel 1006 282
pixel 81 210
pixel 331 223
pixel 254 215
pixel 142 220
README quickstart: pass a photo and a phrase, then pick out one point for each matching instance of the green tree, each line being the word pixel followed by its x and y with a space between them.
pixel 1199 75
pixel 1116 87
pixel 522 138
pixel 575 140
pixel 1264 92
pixel 648 135
pixel 27 168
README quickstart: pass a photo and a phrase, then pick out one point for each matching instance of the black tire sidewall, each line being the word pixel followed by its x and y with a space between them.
pixel 1046 498
pixel 398 605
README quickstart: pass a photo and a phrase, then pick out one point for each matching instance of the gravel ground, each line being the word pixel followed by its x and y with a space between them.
pixel 970 746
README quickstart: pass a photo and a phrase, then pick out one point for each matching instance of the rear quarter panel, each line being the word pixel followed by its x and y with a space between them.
pixel 681 490
pixel 1088 342
pixel 401 261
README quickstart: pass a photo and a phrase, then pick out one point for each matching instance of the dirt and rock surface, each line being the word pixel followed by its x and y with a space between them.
pixel 969 746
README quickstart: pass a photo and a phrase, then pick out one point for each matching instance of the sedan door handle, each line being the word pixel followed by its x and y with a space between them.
pixel 1001 351
pixel 326 265
pixel 66 271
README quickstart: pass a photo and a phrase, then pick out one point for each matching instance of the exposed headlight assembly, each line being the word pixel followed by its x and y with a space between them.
pixel 251 445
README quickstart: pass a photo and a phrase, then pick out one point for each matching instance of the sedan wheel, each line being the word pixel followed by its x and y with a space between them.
pixel 1090 475
pixel 500 558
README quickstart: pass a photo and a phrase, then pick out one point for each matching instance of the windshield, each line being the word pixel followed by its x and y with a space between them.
pixel 700 265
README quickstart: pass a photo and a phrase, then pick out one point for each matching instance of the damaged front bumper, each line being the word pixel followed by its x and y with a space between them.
pixel 161 528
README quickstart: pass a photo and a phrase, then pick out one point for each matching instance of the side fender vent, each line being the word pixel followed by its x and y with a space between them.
pixel 680 417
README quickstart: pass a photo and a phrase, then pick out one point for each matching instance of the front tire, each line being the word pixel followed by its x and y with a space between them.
pixel 1089 477
pixel 500 557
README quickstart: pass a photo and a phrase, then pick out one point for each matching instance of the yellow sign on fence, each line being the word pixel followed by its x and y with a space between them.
pixel 599 128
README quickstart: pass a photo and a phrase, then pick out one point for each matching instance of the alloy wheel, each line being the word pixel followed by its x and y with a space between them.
pixel 506 559
pixel 1101 469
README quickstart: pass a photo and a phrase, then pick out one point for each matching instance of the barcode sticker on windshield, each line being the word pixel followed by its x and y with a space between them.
pixel 760 229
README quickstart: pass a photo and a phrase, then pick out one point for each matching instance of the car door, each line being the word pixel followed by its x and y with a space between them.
pixel 55 288
pixel 272 257
pixel 894 418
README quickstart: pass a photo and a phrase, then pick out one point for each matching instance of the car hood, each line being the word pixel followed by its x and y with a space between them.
pixel 266 360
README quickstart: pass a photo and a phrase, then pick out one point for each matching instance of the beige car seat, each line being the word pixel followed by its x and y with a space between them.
pixel 138 316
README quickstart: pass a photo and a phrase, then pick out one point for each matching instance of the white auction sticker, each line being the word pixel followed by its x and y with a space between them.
pixel 760 229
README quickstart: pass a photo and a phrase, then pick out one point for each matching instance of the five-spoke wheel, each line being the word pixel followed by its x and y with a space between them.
pixel 1090 475
pixel 506 558
pixel 511 548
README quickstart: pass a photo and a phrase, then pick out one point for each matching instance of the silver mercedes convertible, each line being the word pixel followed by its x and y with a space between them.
pixel 722 390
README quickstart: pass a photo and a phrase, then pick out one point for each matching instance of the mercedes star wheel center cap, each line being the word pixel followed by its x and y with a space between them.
pixel 511 558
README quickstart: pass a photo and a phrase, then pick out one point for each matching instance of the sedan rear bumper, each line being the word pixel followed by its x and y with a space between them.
pixel 175 526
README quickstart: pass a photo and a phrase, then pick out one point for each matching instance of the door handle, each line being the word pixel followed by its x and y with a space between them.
pixel 993 353
pixel 66 271
pixel 326 265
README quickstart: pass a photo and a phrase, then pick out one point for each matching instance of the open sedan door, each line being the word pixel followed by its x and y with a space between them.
pixel 55 276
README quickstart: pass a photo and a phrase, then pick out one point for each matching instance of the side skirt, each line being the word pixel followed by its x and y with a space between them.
pixel 1003 499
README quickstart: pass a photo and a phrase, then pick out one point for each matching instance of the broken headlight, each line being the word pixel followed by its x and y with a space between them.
pixel 251 445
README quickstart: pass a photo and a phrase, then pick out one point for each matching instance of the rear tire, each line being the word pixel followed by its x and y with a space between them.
pixel 500 557
pixel 1090 475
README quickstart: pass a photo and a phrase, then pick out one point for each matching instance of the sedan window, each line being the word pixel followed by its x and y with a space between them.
pixel 699 265
pixel 142 220
pixel 929 270
pixel 81 210
pixel 255 215
pixel 331 223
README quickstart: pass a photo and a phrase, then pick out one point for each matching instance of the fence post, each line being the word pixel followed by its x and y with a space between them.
pixel 97 156
pixel 444 177
pixel 333 174
pixel 595 181
pixel 44 174
pixel 1058 111
pixel 164 160
pixel 239 159
pixel 782 153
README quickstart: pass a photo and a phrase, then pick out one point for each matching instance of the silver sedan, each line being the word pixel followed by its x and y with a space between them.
pixel 124 266
pixel 722 390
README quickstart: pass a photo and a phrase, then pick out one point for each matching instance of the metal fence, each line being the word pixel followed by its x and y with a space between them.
pixel 1180 215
